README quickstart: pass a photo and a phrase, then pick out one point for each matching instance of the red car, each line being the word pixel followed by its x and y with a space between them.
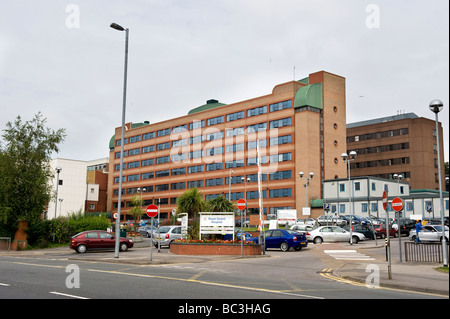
pixel 381 231
pixel 97 239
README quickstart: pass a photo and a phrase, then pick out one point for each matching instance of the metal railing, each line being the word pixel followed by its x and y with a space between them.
pixel 424 252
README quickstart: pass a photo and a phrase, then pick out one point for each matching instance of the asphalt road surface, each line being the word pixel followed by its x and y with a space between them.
pixel 283 276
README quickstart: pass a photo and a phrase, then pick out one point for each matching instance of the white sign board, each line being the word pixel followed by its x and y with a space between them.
pixel 286 216
pixel 306 211
pixel 217 223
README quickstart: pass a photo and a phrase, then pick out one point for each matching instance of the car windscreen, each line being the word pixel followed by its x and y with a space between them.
pixel 164 229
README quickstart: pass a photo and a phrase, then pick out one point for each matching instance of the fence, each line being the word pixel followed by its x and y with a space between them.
pixel 424 252
pixel 5 243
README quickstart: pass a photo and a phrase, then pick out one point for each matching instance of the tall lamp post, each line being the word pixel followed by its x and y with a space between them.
pixel 311 175
pixel 58 170
pixel 348 158
pixel 120 28
pixel 436 106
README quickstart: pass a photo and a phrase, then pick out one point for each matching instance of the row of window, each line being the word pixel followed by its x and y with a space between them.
pixel 377 135
pixel 380 163
pixel 206 183
pixel 409 206
pixel 209 122
pixel 279 175
pixel 176 158
pixel 216 136
pixel 383 148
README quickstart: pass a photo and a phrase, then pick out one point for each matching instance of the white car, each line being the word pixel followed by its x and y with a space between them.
pixel 302 228
pixel 429 233
pixel 332 234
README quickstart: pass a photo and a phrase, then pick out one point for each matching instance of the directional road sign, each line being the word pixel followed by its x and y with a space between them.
pixel 241 204
pixel 397 204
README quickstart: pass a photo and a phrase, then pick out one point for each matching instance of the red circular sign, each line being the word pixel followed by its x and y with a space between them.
pixel 241 204
pixel 397 204
pixel 385 201
pixel 152 211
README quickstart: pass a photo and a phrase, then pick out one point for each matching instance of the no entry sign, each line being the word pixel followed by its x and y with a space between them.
pixel 241 204
pixel 385 201
pixel 152 211
pixel 397 204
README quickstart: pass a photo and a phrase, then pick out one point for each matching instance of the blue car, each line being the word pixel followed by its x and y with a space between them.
pixel 283 239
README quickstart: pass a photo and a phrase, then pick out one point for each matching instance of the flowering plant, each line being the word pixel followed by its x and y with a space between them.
pixel 210 241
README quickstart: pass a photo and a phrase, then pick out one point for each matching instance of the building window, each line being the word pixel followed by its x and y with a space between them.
pixel 235 116
pixel 280 106
pixel 215 120
pixel 164 132
pixel 257 111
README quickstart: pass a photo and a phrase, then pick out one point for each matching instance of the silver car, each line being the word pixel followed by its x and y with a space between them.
pixel 429 233
pixel 325 220
pixel 332 234
pixel 166 234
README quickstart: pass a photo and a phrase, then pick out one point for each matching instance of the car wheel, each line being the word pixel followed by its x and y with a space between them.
pixel 318 240
pixel 123 247
pixel 284 246
pixel 413 238
pixel 355 239
pixel 81 249
pixel 396 235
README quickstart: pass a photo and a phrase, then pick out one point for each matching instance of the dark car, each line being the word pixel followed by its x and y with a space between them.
pixel 382 232
pixel 283 239
pixel 367 231
pixel 96 240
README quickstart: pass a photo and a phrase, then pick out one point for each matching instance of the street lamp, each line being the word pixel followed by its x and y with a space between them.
pixel 120 28
pixel 229 185
pixel 58 169
pixel 348 158
pixel 436 106
pixel 311 175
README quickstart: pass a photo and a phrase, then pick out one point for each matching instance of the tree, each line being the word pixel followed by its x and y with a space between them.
pixel 191 202
pixel 220 204
pixel 136 211
pixel 25 169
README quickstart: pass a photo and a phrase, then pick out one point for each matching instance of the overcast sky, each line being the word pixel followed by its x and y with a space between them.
pixel 62 58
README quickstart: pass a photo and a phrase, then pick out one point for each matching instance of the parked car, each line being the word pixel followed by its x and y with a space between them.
pixel 306 221
pixel 147 231
pixel 326 220
pixel 97 239
pixel 429 233
pixel 405 225
pixel 166 234
pixel 245 220
pixel 332 234
pixel 283 239
pixel 302 228
pixel 367 231
pixel 381 231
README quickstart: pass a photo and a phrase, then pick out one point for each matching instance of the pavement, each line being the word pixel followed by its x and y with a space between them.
pixel 368 267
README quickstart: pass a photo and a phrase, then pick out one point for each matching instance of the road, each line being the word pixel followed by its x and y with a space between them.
pixel 282 276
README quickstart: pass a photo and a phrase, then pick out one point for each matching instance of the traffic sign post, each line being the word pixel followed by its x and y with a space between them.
pixel 397 205
pixel 242 204
pixel 388 239
pixel 152 211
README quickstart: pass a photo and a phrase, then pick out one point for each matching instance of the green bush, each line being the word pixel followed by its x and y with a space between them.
pixel 40 234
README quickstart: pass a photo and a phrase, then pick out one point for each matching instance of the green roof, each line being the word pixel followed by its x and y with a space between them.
pixel 210 104
pixel 309 95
